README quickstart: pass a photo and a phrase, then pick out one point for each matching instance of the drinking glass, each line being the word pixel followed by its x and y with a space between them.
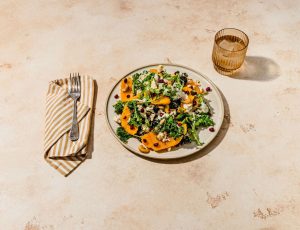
pixel 230 47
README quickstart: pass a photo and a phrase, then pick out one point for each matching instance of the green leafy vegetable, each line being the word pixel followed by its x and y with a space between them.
pixel 169 92
pixel 136 83
pixel 166 75
pixel 123 135
pixel 203 120
pixel 185 140
pixel 139 84
pixel 181 116
pixel 193 130
pixel 119 106
pixel 195 122
pixel 136 119
pixel 171 127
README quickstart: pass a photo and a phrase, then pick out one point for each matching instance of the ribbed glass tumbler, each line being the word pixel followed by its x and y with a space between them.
pixel 230 47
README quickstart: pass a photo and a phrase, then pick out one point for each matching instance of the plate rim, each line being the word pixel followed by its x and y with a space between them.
pixel 166 158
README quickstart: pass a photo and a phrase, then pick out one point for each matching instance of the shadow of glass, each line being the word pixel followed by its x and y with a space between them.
pixel 211 146
pixel 257 68
pixel 90 146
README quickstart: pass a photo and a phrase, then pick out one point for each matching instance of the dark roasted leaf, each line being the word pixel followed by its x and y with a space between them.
pixel 123 135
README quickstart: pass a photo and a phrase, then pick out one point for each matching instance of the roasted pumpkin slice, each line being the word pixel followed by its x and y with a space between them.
pixel 150 141
pixel 187 89
pixel 191 85
pixel 198 90
pixel 189 99
pixel 161 101
pixel 153 70
pixel 126 89
pixel 124 121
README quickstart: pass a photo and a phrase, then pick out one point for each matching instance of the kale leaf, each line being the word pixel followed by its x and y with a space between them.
pixel 203 120
pixel 195 122
pixel 185 140
pixel 144 84
pixel 119 106
pixel 123 135
pixel 136 84
pixel 171 127
pixel 136 118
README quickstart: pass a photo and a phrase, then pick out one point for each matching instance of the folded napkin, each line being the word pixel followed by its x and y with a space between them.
pixel 59 151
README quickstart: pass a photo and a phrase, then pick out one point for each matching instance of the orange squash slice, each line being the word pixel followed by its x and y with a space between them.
pixel 189 99
pixel 153 70
pixel 150 141
pixel 124 121
pixel 126 89
pixel 191 85
pixel 161 101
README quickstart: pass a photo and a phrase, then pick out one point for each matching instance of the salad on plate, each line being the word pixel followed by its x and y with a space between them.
pixel 162 110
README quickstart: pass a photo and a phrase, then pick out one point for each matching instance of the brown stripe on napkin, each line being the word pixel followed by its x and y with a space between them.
pixel 59 151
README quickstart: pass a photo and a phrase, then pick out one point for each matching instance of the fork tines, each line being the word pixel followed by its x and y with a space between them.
pixel 74 84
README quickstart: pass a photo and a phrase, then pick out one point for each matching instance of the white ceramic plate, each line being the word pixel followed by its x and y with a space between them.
pixel 205 136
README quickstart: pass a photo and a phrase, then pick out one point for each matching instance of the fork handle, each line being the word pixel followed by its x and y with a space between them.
pixel 74 133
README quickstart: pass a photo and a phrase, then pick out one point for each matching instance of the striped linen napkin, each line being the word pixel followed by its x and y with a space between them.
pixel 59 151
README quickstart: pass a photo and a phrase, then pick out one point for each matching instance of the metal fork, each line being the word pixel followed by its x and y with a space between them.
pixel 74 89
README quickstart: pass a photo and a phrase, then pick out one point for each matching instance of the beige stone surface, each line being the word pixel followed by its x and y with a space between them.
pixel 249 178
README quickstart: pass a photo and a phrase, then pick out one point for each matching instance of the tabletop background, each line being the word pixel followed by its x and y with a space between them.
pixel 248 178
